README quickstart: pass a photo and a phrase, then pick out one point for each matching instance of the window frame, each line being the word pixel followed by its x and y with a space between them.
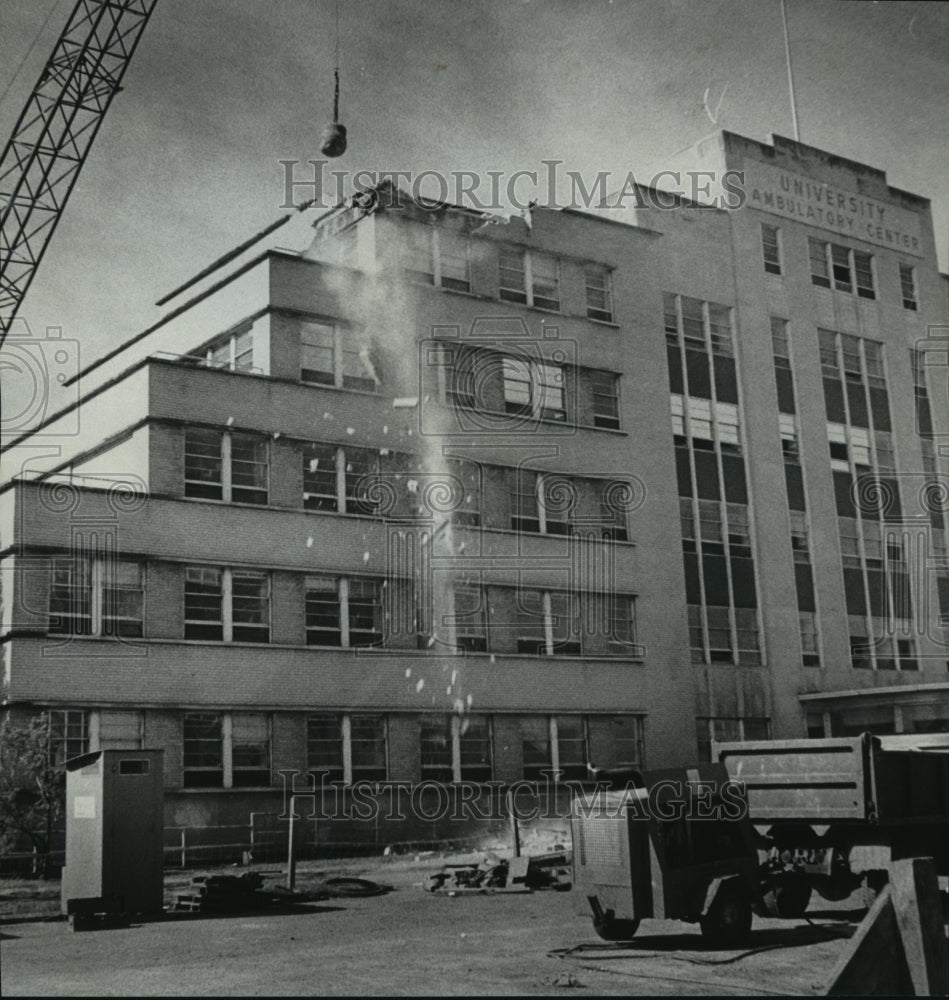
pixel 225 597
pixel 599 314
pixel 525 292
pixel 338 377
pixel 96 585
pixel 771 248
pixel 224 489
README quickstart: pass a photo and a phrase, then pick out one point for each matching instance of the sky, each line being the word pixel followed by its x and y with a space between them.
pixel 186 164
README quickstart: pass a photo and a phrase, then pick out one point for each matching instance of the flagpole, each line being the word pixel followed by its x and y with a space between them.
pixel 787 56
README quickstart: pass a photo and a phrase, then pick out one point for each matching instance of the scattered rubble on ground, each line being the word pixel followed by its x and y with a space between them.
pixel 493 874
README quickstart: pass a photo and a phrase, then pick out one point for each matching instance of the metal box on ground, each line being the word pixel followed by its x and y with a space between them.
pixel 114 833
pixel 679 846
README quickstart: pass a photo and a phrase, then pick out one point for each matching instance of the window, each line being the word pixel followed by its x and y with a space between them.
pixel 203 463
pixel 849 269
pixel 226 749
pixel 599 293
pixel 348 747
pixel 324 744
pixel 234 352
pixel 227 605
pixel 810 650
pixel 468 475
pixel 123 598
pixel 535 747
pixel 534 388
pixel 70 596
pixel 605 394
pixel 840 264
pixel 525 506
pixel 101 597
pixel 531 622
pixel 628 741
pixel 331 354
pixel 908 286
pixel 226 465
pixel 863 270
pixel 820 273
pixel 438 257
pixel 435 748
pixel 512 276
pixel 470 618
pixel 203 750
pixel 475 748
pixel 323 620
pixel 545 281
pixel 320 491
pixel 343 611
pixel 572 753
pixel 250 749
pixel 529 278
pixel 68 735
pixel 365 612
pixel 368 747
pixel 342 478
pixel 548 623
pixel 250 606
pixel 771 249
pixel 622 624
pixel 453 260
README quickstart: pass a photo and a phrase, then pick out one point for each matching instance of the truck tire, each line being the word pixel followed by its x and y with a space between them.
pixel 727 922
pixel 792 894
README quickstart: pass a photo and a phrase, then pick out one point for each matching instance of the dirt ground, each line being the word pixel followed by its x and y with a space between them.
pixel 411 942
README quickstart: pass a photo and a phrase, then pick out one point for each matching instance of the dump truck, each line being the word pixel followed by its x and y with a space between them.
pixel 829 814
pixel 816 814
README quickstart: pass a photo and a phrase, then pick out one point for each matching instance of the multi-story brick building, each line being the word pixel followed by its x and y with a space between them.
pixel 402 494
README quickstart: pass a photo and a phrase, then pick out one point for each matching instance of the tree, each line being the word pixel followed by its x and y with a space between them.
pixel 32 788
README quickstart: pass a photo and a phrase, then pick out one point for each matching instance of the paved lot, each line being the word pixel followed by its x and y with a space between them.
pixel 410 942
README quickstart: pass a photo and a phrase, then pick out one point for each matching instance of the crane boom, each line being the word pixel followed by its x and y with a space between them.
pixel 56 129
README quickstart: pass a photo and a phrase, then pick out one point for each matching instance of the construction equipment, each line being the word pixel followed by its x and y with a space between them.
pixel 675 844
pixel 55 131
pixel 832 813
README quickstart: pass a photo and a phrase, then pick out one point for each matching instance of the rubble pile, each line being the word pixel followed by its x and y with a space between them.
pixel 493 874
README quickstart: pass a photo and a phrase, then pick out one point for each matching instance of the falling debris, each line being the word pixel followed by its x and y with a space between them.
pixel 412 486
pixel 309 542
pixel 350 430
pixel 408 671
pixel 420 684
pixel 230 421
pixel 365 557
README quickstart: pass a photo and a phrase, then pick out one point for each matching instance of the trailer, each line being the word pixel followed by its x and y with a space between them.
pixel 816 814
pixel 674 844
pixel 830 814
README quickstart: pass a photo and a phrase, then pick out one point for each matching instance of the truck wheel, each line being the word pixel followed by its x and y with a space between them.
pixel 614 929
pixel 727 923
pixel 792 895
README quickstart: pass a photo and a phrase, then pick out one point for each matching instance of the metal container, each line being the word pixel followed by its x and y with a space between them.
pixel 114 833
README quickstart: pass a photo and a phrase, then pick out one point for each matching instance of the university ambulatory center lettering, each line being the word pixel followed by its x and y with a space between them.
pixel 804 199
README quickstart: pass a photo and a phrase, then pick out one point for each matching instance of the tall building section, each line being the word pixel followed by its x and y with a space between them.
pixel 401 493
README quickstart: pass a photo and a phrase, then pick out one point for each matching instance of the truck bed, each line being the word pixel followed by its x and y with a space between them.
pixel 850 779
